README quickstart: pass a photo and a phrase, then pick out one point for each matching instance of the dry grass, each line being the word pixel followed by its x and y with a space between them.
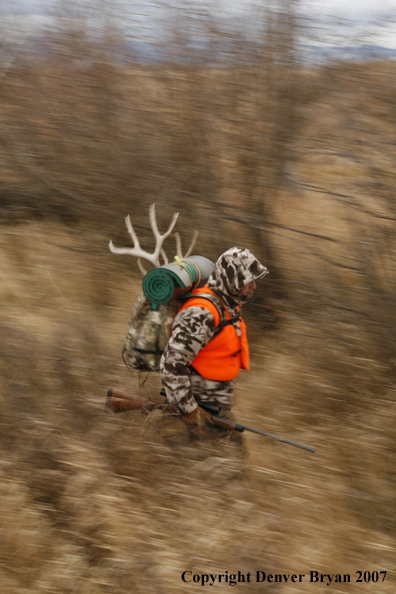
pixel 97 504
pixel 298 166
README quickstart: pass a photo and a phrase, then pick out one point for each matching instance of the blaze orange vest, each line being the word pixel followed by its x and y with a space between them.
pixel 226 354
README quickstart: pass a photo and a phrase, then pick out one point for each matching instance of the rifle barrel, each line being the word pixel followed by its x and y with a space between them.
pixel 240 427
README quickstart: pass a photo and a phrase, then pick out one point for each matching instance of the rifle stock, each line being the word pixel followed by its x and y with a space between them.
pixel 119 401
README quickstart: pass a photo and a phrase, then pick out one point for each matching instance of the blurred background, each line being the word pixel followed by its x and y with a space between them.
pixel 267 125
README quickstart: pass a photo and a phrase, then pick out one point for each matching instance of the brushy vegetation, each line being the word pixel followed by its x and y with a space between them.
pixel 296 163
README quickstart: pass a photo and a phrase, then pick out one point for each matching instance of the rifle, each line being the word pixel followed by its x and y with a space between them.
pixel 119 401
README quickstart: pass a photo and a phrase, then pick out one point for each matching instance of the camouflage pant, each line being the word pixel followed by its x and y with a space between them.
pixel 174 432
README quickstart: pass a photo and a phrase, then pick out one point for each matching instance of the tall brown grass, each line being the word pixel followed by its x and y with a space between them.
pixel 292 161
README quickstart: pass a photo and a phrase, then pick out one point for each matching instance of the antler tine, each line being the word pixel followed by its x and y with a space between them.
pixel 164 256
pixel 139 253
pixel 179 246
pixel 131 232
pixel 141 267
pixel 193 242
pixel 160 238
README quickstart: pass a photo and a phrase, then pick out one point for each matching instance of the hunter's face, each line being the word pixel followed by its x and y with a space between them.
pixel 248 289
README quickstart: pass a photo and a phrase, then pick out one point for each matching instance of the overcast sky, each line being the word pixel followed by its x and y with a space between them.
pixel 353 8
pixel 360 20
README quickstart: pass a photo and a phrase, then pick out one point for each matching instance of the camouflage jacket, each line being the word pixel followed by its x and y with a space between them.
pixel 194 327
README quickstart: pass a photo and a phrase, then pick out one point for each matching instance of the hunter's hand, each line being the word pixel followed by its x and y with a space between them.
pixel 199 417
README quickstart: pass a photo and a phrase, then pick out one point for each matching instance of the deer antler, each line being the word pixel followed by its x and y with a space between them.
pixel 179 247
pixel 137 250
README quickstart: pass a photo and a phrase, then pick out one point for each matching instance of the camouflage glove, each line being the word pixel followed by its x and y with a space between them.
pixel 199 417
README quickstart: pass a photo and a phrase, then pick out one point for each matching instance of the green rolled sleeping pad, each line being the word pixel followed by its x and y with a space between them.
pixel 172 281
pixel 160 285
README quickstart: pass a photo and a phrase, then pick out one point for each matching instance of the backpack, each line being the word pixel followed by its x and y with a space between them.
pixel 149 331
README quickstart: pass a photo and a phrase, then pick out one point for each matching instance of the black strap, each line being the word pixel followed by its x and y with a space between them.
pixel 221 309
pixel 146 352
pixel 226 323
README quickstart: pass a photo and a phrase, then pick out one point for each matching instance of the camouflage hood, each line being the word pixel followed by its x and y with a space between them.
pixel 234 269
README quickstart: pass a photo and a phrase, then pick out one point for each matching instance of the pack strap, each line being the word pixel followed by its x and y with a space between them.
pixel 216 302
pixel 222 325
pixel 147 352
pixel 222 312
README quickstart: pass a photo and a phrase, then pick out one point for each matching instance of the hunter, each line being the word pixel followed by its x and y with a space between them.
pixel 202 359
